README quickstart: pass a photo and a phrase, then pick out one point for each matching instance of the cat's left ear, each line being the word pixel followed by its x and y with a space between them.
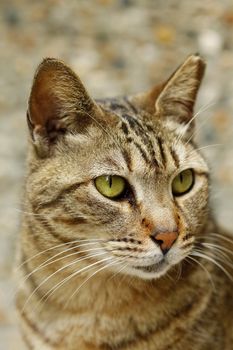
pixel 175 99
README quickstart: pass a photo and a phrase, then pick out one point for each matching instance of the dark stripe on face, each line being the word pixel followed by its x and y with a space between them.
pixel 116 105
pixel 153 156
pixel 161 150
pixel 37 206
pixel 46 225
pixel 142 152
pixel 175 157
pixel 187 237
pixel 127 159
pixel 140 132
pixel 133 108
pixel 124 128
pixel 125 108
pixel 70 221
pixel 149 128
pixel 70 189
pixel 133 123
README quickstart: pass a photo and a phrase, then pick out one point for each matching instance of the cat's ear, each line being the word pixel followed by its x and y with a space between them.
pixel 58 103
pixel 179 93
pixel 175 98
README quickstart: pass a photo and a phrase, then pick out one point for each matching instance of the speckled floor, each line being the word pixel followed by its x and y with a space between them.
pixel 116 47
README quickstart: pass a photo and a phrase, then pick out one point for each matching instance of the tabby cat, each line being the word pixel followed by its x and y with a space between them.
pixel 118 247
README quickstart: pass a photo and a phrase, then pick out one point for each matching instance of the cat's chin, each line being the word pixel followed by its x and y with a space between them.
pixel 149 272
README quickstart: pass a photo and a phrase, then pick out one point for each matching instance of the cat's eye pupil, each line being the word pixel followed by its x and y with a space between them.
pixel 110 180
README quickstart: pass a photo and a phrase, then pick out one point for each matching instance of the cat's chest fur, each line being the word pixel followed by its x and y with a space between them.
pixel 113 314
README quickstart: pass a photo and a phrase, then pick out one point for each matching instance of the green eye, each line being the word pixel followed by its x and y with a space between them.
pixel 110 186
pixel 183 182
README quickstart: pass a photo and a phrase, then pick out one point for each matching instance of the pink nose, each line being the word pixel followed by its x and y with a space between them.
pixel 165 240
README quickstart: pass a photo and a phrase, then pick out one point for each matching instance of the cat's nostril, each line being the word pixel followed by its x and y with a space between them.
pixel 157 241
pixel 165 240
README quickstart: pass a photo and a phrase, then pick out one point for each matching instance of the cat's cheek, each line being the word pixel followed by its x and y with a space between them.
pixel 194 205
pixel 175 255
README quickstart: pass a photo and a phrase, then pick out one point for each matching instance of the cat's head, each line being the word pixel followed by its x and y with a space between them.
pixel 121 175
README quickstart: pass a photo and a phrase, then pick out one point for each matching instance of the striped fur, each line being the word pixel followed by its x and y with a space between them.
pixel 93 277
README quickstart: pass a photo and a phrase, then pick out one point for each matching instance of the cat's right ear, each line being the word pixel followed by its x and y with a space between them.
pixel 58 103
pixel 174 99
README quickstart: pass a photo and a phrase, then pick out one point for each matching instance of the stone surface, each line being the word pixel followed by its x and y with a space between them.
pixel 116 47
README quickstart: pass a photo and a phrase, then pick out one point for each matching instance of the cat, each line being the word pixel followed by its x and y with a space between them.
pixel 119 249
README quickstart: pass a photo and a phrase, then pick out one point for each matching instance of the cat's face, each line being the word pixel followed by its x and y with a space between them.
pixel 122 174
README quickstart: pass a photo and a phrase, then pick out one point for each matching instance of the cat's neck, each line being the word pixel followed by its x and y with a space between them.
pixel 107 291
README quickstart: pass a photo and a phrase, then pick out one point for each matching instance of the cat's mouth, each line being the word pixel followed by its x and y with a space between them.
pixel 156 267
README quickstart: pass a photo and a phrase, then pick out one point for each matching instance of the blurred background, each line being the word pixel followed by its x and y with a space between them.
pixel 116 47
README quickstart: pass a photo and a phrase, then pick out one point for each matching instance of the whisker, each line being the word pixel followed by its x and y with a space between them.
pixel 169 277
pixel 96 240
pixel 200 255
pixel 61 283
pixel 179 272
pixel 198 129
pixel 205 269
pixel 214 255
pixel 87 279
pixel 119 271
pixel 205 107
pixel 201 148
pixel 201 110
pixel 218 247
pixel 221 236
pixel 54 273
pixel 46 263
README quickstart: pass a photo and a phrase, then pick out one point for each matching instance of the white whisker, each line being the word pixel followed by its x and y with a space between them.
pixel 119 271
pixel 54 273
pixel 46 263
pixel 216 256
pixel 95 240
pixel 201 110
pixel 221 236
pixel 87 279
pixel 218 248
pixel 205 269
pixel 204 256
pixel 201 148
pixel 61 283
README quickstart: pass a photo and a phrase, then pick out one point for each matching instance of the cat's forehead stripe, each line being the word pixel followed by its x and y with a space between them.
pixel 161 149
pixel 150 146
pixel 175 157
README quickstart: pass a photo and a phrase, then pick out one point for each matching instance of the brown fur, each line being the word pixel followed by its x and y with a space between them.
pixel 137 299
